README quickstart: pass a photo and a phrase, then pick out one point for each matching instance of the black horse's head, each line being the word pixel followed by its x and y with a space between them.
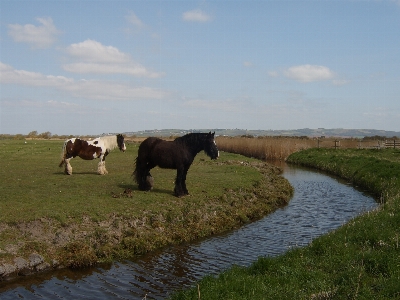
pixel 210 146
pixel 120 142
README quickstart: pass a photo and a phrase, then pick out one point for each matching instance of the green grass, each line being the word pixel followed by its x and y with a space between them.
pixel 85 218
pixel 360 260
pixel 33 186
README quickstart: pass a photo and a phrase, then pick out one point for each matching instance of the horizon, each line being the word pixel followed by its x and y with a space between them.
pixel 117 66
pixel 314 132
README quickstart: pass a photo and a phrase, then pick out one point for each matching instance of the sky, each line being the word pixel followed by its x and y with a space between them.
pixel 94 67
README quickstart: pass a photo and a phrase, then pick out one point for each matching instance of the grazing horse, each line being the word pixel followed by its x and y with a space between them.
pixel 178 154
pixel 97 148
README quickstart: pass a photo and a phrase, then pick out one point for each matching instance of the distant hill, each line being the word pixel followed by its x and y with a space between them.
pixel 337 132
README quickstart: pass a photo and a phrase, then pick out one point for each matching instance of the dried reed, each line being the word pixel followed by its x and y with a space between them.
pixel 279 148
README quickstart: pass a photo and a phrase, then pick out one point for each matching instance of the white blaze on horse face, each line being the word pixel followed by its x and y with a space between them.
pixel 123 147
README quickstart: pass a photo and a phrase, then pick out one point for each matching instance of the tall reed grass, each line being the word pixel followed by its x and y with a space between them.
pixel 265 148
pixel 279 148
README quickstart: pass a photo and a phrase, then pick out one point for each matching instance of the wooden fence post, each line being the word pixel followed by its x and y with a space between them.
pixel 337 144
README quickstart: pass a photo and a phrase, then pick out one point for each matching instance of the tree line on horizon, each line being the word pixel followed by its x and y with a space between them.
pixel 35 135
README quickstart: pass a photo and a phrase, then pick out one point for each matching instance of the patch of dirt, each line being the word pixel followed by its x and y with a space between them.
pixel 126 193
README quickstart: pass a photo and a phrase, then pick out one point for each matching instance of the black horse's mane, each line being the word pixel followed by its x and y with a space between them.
pixel 194 141
pixel 191 137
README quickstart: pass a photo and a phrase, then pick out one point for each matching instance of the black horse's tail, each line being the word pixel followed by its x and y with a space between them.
pixel 137 174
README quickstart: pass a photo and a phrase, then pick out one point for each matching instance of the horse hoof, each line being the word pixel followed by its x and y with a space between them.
pixel 180 195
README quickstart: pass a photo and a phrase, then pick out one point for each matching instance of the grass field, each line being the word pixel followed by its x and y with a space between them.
pixel 360 260
pixel 33 186
pixel 85 218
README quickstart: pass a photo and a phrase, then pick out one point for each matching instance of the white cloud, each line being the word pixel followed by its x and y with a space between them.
pixel 37 36
pixel 196 15
pixel 9 75
pixel 90 89
pixel 94 57
pixel 93 51
pixel 131 69
pixel 309 73
pixel 103 90
pixel 134 20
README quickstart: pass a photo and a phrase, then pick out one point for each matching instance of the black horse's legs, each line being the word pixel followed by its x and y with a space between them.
pixel 179 191
pixel 180 182
pixel 149 181
pixel 184 182
pixel 143 176
pixel 146 181
pixel 142 183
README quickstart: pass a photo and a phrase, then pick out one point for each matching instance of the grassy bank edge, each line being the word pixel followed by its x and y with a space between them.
pixel 360 260
pixel 120 237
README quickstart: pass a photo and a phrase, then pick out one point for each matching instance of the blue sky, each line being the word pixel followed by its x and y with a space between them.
pixel 93 67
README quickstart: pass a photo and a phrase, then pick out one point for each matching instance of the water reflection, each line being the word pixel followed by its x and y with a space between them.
pixel 320 204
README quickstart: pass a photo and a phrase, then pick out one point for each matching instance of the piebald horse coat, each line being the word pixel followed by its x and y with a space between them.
pixel 88 150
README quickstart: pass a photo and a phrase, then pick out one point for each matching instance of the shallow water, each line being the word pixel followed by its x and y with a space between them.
pixel 320 204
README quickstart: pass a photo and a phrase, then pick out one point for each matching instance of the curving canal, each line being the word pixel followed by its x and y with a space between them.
pixel 320 204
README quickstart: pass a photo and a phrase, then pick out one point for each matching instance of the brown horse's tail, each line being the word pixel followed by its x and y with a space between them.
pixel 63 154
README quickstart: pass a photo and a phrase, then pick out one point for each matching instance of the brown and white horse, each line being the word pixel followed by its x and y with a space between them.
pixel 97 148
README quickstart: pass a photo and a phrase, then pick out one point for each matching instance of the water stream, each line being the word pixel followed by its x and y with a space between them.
pixel 320 203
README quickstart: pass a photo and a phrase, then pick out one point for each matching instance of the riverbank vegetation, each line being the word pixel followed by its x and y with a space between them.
pixel 360 260
pixel 51 220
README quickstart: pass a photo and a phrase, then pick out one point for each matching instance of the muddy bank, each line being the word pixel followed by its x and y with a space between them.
pixel 46 244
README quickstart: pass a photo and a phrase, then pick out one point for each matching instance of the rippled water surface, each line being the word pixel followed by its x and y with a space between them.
pixel 320 204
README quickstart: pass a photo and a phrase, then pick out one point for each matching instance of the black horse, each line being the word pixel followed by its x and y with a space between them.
pixel 178 154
